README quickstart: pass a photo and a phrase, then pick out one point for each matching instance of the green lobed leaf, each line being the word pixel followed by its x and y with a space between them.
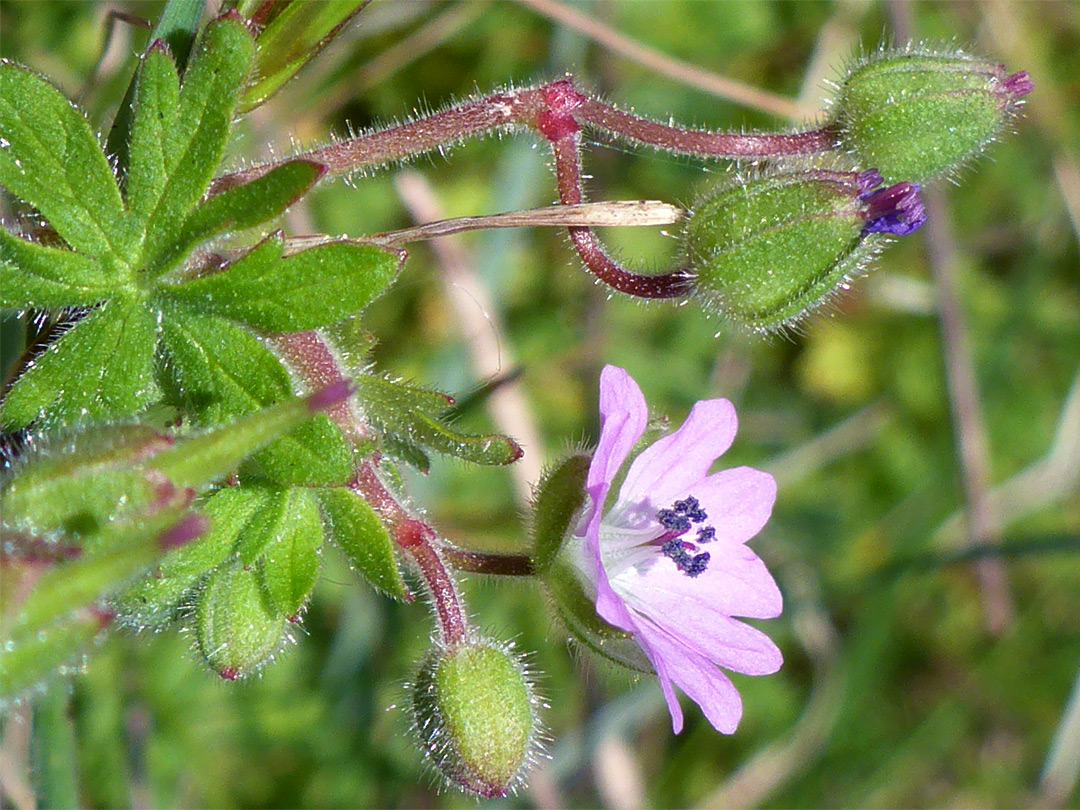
pixel 34 276
pixel 157 104
pixel 176 27
pixel 236 627
pixel 101 368
pixel 405 413
pixel 290 561
pixel 50 158
pixel 307 290
pixel 243 206
pixel 155 599
pixel 193 148
pixel 299 31
pixel 219 371
pixel 355 527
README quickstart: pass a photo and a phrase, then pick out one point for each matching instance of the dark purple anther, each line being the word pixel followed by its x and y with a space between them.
pixel 897 209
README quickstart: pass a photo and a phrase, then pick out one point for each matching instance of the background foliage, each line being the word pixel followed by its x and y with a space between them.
pixel 894 692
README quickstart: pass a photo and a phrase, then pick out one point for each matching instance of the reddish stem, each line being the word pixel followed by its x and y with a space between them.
pixel 675 284
pixel 530 107
pixel 312 358
pixel 701 142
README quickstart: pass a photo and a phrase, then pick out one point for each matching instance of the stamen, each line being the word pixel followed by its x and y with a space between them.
pixel 671 520
pixel 706 534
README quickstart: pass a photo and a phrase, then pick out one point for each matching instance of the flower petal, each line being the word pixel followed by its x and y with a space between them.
pixel 723 640
pixel 671 465
pixel 702 681
pixel 623 416
pixel 738 501
pixel 735 583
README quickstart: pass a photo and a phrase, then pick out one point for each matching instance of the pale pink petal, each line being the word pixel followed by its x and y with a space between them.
pixel 736 583
pixel 698 625
pixel 738 501
pixel 701 680
pixel 623 417
pixel 675 462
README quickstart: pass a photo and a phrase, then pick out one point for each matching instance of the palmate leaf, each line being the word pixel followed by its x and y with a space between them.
pixel 242 206
pixel 102 368
pixel 50 158
pixel 313 288
pixel 178 161
pixel 218 371
pixel 289 565
pixel 33 276
pixel 356 528
pixel 408 414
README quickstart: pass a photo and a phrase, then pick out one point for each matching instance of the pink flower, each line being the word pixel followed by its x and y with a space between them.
pixel 668 562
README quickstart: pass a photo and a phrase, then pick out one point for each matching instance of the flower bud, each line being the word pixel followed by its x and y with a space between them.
pixel 767 249
pixel 474 709
pixel 916 114
pixel 236 628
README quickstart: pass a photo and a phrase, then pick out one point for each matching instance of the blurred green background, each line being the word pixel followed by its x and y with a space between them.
pixel 911 678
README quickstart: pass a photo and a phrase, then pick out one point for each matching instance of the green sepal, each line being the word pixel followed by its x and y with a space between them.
pixel 768 248
pixel 354 526
pixel 557 500
pixel 406 413
pixel 243 206
pixel 296 33
pixel 306 290
pixel 51 159
pixel 236 627
pixel 915 115
pixel 578 614
pixel 219 371
pixel 289 564
pixel 192 149
pixel 102 368
pixel 155 599
pixel 34 276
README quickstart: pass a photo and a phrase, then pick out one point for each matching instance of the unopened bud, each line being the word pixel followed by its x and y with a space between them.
pixel 917 114
pixel 236 628
pixel 474 709
pixel 768 249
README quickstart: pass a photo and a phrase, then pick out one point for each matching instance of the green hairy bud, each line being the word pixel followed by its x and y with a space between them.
pixel 916 114
pixel 768 249
pixel 475 711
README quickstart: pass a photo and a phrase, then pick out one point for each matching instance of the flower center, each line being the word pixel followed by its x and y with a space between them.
pixel 677 521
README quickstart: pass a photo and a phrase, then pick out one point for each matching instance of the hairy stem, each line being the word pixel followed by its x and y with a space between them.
pixel 483 562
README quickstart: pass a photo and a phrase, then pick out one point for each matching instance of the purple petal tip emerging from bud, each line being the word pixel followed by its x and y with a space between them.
pixel 897 209
pixel 184 532
pixel 1018 84
pixel 869 180
pixel 330 396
